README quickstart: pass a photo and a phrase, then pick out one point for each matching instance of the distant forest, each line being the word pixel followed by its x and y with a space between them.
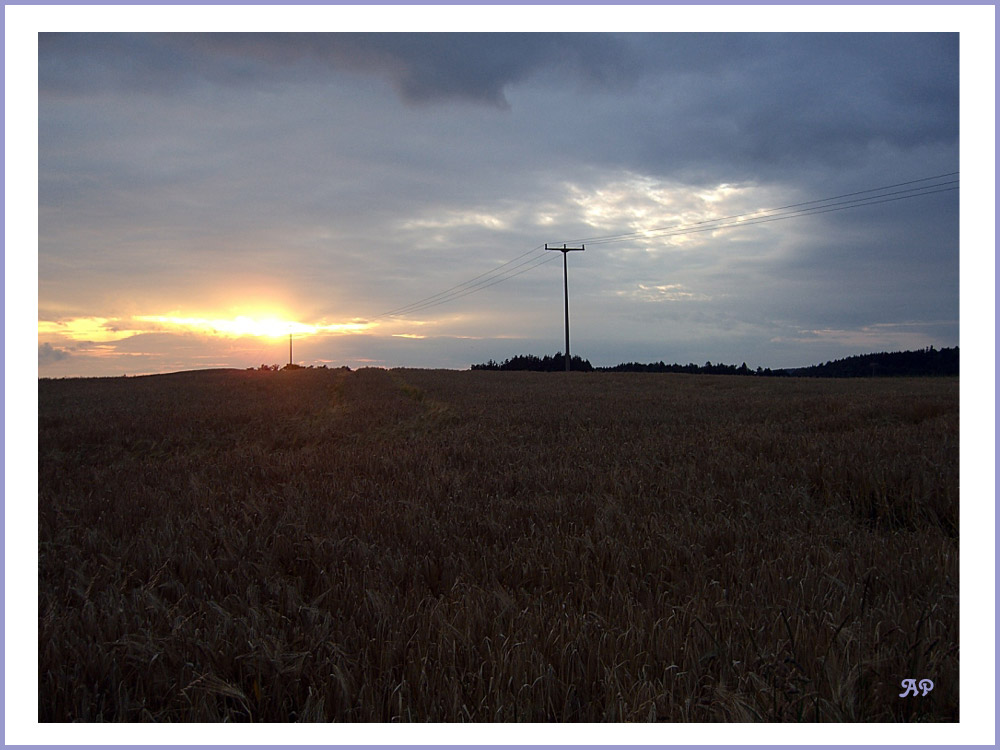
pixel 922 362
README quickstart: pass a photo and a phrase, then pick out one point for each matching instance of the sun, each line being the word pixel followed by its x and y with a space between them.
pixel 270 327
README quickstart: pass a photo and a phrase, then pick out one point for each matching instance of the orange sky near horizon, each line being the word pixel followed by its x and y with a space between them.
pixel 101 329
pixel 120 339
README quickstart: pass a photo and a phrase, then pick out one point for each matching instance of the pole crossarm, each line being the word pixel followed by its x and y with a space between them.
pixel 565 250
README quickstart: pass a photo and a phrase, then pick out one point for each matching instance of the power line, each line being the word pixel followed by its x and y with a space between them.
pixel 873 196
pixel 763 217
pixel 644 233
pixel 484 284
pixel 496 281
pixel 476 283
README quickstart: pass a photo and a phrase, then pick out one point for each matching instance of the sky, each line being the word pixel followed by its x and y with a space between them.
pixel 200 196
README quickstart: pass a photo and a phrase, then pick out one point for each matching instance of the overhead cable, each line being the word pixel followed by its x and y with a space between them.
pixel 483 280
pixel 639 234
pixel 531 259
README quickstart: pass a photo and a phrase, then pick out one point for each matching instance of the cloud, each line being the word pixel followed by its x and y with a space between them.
pixel 90 329
pixel 422 67
pixel 245 325
pixel 451 219
pixel 776 106
pixel 47 354
pixel 663 293
pixel 103 330
pixel 878 336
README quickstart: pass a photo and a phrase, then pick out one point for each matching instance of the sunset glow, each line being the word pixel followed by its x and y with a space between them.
pixel 86 329
pixel 245 325
pixel 241 325
pixel 99 329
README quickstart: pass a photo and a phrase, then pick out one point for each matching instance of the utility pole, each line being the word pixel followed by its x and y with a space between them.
pixel 565 250
pixel 289 348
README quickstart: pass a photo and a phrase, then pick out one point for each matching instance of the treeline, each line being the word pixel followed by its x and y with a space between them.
pixel 922 362
pixel 692 369
pixel 531 362
pixel 557 362
pixel 293 366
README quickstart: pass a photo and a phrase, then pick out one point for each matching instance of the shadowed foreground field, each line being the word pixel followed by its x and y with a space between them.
pixel 489 546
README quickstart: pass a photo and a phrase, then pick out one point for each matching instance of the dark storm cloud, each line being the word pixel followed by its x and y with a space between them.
pixel 778 102
pixel 423 67
pixel 783 104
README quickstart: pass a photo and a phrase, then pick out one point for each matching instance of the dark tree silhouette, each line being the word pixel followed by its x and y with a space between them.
pixel 538 364
pixel 923 362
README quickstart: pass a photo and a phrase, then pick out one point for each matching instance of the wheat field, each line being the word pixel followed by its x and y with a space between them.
pixel 418 545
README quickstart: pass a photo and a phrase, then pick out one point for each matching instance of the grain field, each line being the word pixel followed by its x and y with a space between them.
pixel 417 545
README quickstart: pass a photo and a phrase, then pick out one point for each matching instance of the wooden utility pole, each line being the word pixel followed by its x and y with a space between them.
pixel 289 348
pixel 565 250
